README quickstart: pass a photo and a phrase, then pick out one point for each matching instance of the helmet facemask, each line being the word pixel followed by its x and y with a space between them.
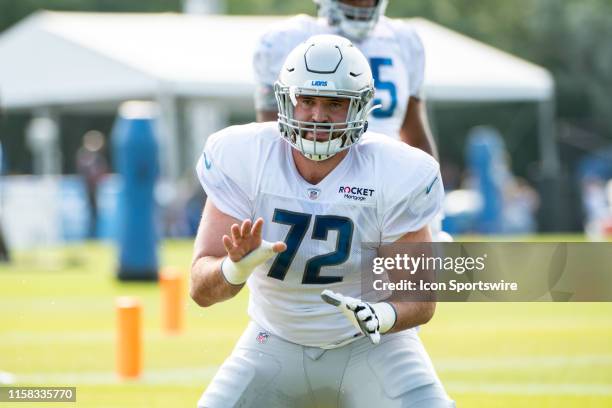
pixel 341 135
pixel 353 21
pixel 324 66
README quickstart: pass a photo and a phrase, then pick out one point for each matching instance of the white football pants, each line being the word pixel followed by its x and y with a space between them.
pixel 266 371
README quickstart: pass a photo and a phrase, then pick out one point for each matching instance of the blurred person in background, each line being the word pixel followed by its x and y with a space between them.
pixel 4 252
pixel 91 164
pixel 595 180
pixel 393 49
pixel 395 54
pixel 521 201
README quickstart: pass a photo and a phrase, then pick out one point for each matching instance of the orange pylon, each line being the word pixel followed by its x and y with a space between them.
pixel 129 337
pixel 172 300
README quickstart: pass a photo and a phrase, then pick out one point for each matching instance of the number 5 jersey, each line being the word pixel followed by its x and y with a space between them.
pixel 393 49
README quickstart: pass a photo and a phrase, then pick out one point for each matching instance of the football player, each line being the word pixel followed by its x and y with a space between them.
pixel 395 54
pixel 393 49
pixel 294 207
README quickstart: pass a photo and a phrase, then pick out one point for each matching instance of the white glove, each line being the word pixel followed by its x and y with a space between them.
pixel 372 319
pixel 237 273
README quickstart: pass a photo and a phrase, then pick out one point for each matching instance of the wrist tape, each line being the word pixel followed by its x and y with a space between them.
pixel 237 273
pixel 386 316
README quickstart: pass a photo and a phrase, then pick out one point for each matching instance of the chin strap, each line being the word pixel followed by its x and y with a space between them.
pixel 372 109
pixel 292 95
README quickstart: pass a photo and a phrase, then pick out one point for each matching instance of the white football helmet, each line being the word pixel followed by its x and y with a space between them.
pixel 324 65
pixel 353 21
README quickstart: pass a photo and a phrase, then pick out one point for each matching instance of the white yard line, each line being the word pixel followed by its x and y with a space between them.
pixel 529 388
pixel 184 376
pixel 6 378
pixel 75 337
pixel 199 376
pixel 520 362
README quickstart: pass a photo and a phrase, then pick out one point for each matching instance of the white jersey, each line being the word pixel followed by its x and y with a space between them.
pixel 394 50
pixel 330 228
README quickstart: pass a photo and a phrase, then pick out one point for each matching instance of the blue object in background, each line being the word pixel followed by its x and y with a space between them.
pixel 136 160
pixel 487 164
pixel 596 165
pixel 108 203
pixel 75 214
pixel 459 223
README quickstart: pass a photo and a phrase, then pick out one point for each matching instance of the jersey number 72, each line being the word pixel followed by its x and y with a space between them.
pixel 299 223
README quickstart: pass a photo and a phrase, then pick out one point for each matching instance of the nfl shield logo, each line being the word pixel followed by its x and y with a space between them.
pixel 313 193
pixel 262 337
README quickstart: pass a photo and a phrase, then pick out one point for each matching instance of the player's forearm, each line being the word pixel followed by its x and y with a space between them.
pixel 412 314
pixel 208 286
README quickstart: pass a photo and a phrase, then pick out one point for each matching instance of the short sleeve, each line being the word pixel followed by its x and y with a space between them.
pixel 265 100
pixel 414 55
pixel 270 54
pixel 416 209
pixel 416 71
pixel 226 194
pixel 268 58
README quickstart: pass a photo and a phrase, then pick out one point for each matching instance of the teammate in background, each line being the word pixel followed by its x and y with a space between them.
pixel 92 166
pixel 293 209
pixel 4 250
pixel 393 49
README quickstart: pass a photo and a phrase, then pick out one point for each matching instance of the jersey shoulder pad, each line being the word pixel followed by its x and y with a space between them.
pixel 403 30
pixel 411 186
pixel 235 143
pixel 276 43
pixel 238 153
pixel 398 156
pixel 408 38
pixel 412 51
pixel 288 32
pixel 405 170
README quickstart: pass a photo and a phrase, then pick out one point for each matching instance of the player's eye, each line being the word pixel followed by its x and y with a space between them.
pixel 307 102
pixel 335 105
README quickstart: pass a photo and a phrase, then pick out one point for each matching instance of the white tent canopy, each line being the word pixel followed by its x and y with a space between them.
pixel 459 68
pixel 59 58
pixel 55 61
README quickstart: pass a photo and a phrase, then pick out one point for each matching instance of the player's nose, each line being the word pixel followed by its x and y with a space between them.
pixel 319 113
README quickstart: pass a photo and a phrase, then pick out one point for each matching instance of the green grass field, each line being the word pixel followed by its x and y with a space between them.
pixel 57 327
